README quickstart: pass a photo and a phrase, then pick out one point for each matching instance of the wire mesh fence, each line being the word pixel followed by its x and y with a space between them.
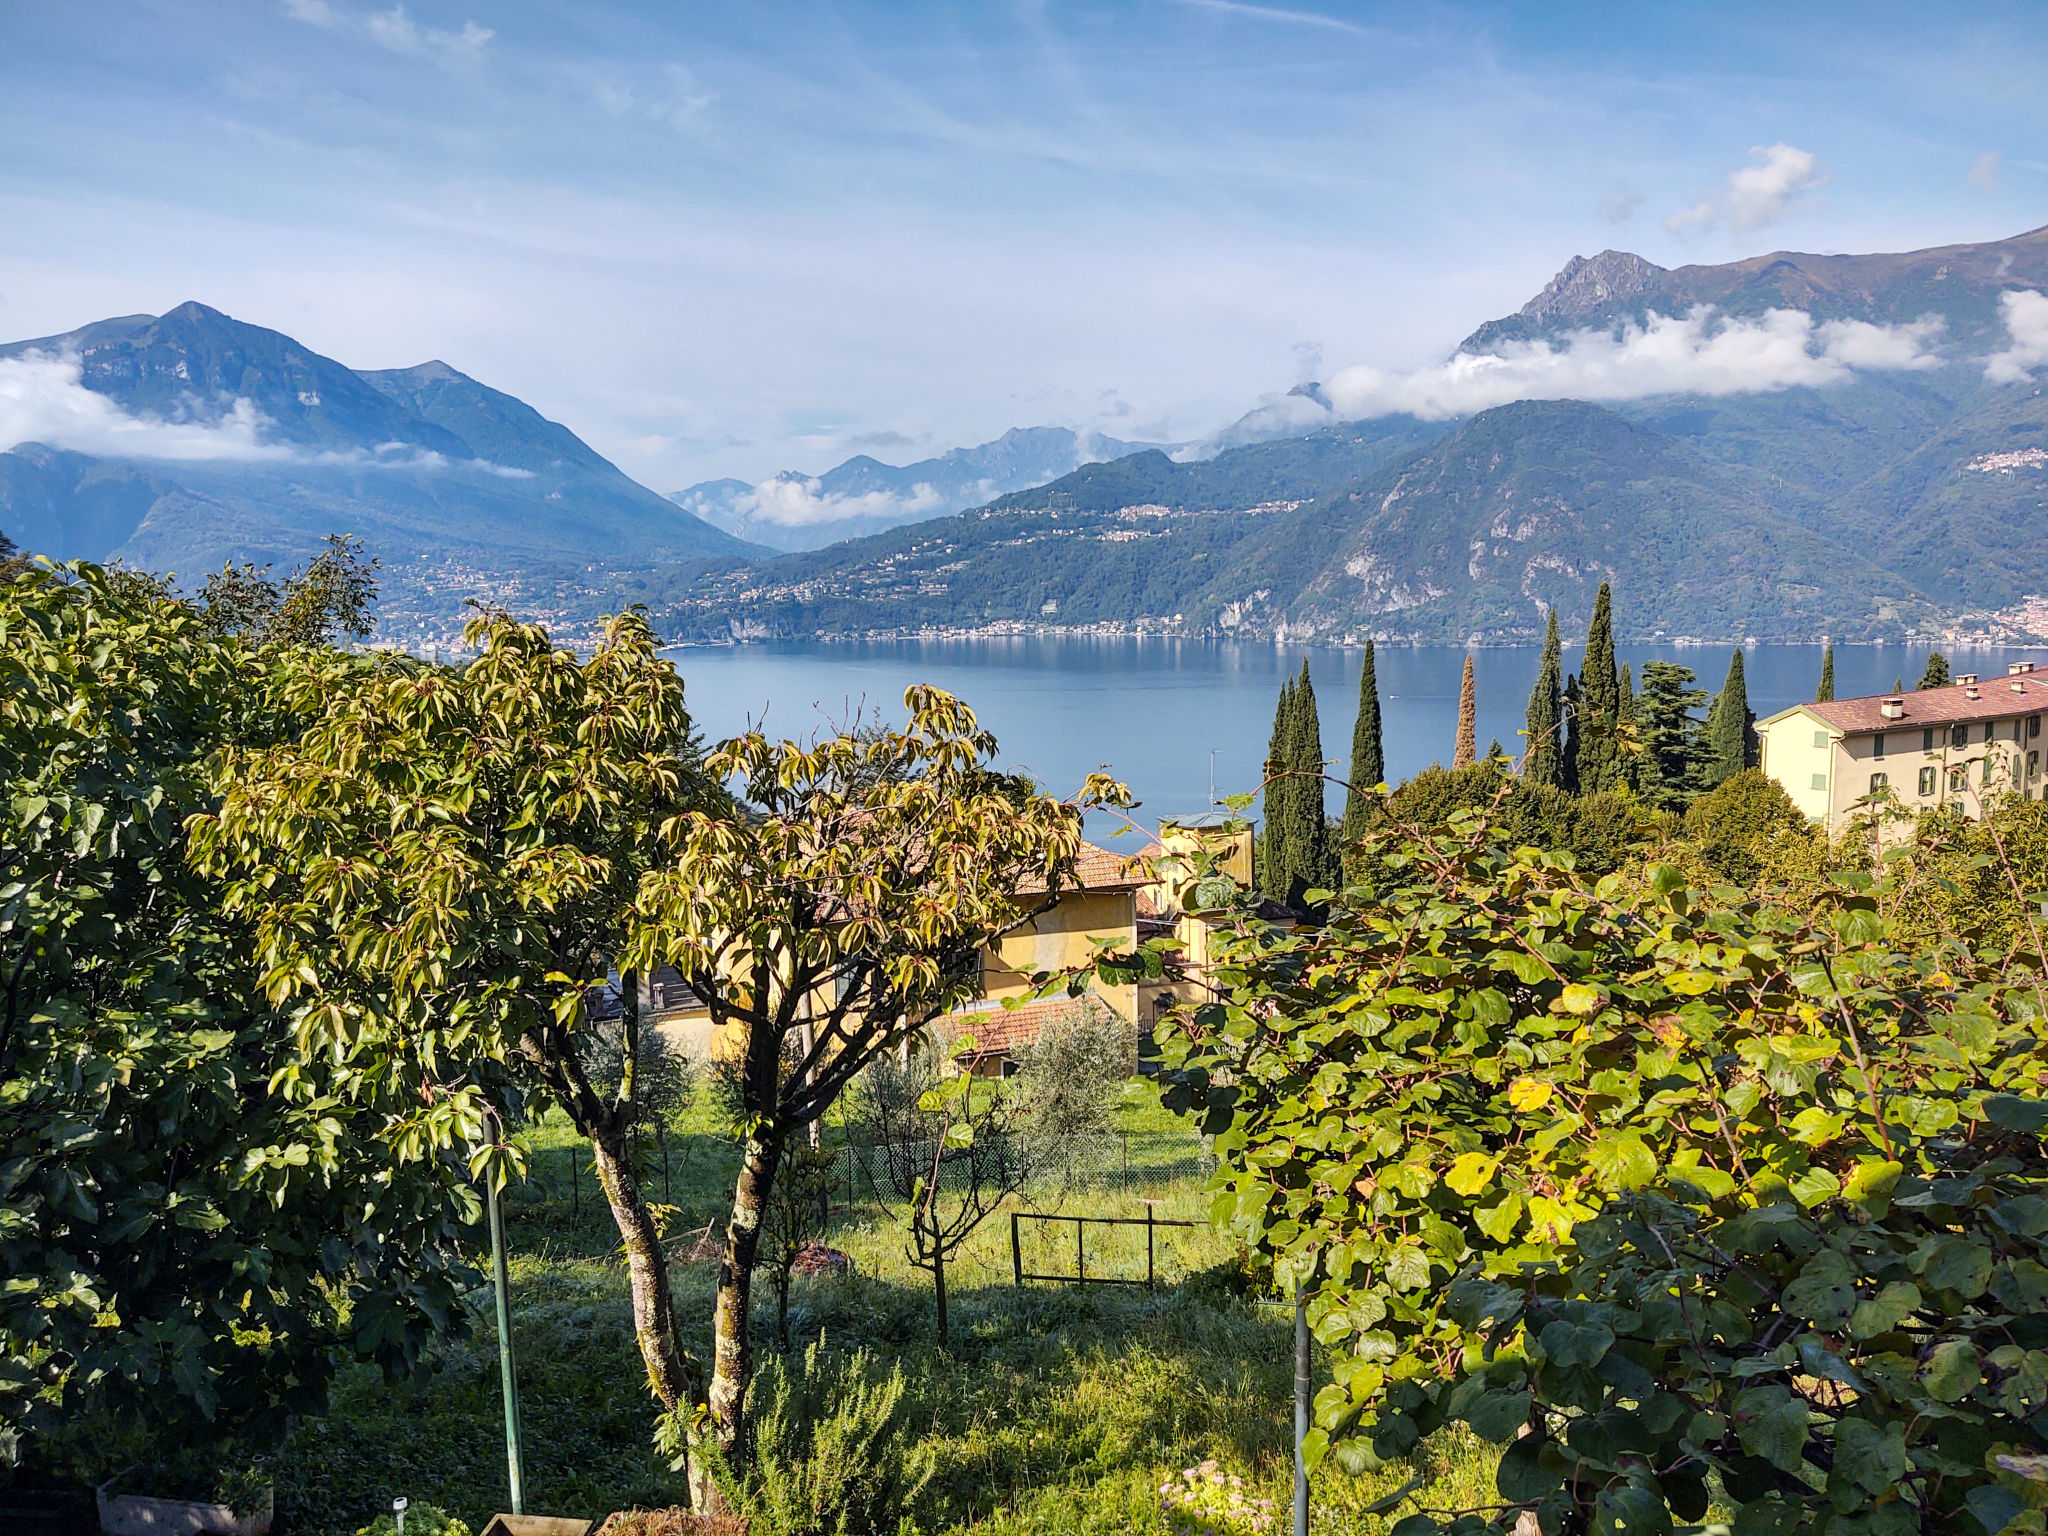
pixel 1144 1165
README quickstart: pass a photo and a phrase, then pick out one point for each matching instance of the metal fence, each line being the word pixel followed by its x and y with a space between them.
pixel 1143 1164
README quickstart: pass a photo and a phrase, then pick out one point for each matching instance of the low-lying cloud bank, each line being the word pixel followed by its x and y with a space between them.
pixel 796 501
pixel 42 401
pixel 2026 322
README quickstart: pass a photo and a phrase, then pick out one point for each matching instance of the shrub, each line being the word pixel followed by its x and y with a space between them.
pixel 1733 825
pixel 831 1453
pixel 1079 1060
pixel 1655 1189
pixel 420 1520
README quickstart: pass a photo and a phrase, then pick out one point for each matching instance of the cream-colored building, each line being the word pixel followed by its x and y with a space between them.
pixel 1954 746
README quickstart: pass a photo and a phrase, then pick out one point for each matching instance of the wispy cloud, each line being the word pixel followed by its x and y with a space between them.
pixel 1276 13
pixel 2026 322
pixel 1757 194
pixel 396 30
pixel 1620 205
pixel 1698 353
pixel 1984 171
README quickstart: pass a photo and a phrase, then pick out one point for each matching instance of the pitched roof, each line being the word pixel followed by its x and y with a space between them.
pixel 997 1030
pixel 1997 698
pixel 1100 869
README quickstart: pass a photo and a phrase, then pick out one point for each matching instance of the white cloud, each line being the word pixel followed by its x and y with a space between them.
pixel 1756 194
pixel 1698 353
pixel 793 501
pixel 396 30
pixel 1275 13
pixel 41 401
pixel 1984 171
pixel 1620 205
pixel 2026 321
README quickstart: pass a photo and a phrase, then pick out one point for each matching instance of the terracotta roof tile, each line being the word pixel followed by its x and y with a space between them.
pixel 997 1030
pixel 1998 698
pixel 1100 869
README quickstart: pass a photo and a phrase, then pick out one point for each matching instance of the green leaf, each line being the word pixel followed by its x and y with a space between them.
pixel 1870 1459
pixel 1524 1474
pixel 1568 1344
pixel 1825 1292
pixel 1771 1423
pixel 2016 1114
pixel 1952 1371
pixel 1387 1501
pixel 1407 1268
pixel 1621 1161
pixel 1884 1311
pixel 1954 1263
pixel 1994 1506
pixel 1499 1416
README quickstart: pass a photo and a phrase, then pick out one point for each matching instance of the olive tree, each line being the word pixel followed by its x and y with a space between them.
pixel 194 1222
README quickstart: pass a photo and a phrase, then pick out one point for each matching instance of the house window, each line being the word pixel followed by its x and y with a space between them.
pixel 1959 737
pixel 1986 779
pixel 1877 745
pixel 1927 739
pixel 2033 764
pixel 1926 781
pixel 1820 781
pixel 1820 738
pixel 2033 726
pixel 1958 779
pixel 1879 781
pixel 1990 730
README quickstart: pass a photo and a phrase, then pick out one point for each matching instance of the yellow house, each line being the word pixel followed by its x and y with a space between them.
pixel 1101 904
pixel 1954 746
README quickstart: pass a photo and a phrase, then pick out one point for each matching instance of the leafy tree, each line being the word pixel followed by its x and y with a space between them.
pixel 1574 734
pixel 1600 832
pixel 327 599
pixel 1629 742
pixel 1368 760
pixel 1825 693
pixel 1672 753
pixel 871 872
pixel 1731 743
pixel 1543 757
pixel 1466 750
pixel 194 1222
pixel 1297 854
pixel 1731 825
pixel 950 1151
pixel 799 1213
pixel 1662 1192
pixel 1599 762
pixel 1935 675
pixel 1081 1057
pixel 440 871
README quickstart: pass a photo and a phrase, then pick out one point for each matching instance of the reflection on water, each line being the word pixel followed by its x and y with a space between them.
pixel 1157 712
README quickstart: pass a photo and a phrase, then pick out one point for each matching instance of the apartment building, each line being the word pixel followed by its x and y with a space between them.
pixel 1954 746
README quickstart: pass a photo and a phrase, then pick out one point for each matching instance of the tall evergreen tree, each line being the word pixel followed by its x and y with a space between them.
pixel 1298 854
pixel 1825 694
pixel 1368 760
pixel 1574 734
pixel 1543 758
pixel 1628 746
pixel 1731 728
pixel 1936 675
pixel 1466 752
pixel 1600 764
pixel 1672 749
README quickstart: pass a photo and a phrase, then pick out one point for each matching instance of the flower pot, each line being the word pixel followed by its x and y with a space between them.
pixel 131 1514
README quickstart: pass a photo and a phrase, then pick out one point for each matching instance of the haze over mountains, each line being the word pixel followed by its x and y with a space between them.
pixel 1781 447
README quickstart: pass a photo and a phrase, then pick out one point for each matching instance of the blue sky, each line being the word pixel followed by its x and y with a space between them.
pixel 736 238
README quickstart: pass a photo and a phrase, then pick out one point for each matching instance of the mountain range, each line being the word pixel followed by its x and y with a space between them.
pixel 1891 482
pixel 794 511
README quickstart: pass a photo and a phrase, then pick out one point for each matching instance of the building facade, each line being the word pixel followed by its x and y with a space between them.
pixel 1952 747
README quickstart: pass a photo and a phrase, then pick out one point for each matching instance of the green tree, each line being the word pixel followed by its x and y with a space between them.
pixel 1368 760
pixel 1625 1178
pixel 1599 765
pixel 1628 739
pixel 1825 693
pixel 1731 743
pixel 1574 734
pixel 1298 854
pixel 326 600
pixel 1732 824
pixel 1935 675
pixel 1672 754
pixel 1466 750
pixel 195 1223
pixel 1543 757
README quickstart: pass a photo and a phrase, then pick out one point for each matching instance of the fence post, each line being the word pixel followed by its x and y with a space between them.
pixel 1301 1384
pixel 1148 1244
pixel 1016 1251
pixel 1080 1253
pixel 575 1197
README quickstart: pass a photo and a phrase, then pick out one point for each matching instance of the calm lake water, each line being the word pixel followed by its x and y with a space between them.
pixel 1157 711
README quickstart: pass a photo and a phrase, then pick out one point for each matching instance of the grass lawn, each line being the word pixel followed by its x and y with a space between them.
pixel 1058 1409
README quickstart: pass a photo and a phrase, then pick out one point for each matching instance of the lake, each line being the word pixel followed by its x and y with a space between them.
pixel 1159 713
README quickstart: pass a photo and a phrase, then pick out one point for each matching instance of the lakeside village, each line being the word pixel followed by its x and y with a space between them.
pixel 438 1095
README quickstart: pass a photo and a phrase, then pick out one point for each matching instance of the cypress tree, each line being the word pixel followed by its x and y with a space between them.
pixel 1368 760
pixel 1825 694
pixel 1274 858
pixel 1574 737
pixel 1936 675
pixel 1628 746
pixel 1316 849
pixel 1731 728
pixel 1466 752
pixel 1543 759
pixel 1600 765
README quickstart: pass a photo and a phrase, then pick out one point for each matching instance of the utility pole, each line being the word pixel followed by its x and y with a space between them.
pixel 1301 1380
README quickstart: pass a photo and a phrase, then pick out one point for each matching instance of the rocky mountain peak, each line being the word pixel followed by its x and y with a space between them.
pixel 1586 283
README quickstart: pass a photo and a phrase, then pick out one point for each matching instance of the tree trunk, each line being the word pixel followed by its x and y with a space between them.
pixel 731 1350
pixel 782 1308
pixel 939 1280
pixel 654 1316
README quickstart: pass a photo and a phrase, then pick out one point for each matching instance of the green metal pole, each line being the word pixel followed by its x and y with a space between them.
pixel 505 1366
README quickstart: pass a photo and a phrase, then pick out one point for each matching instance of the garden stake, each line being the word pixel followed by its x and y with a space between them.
pixel 505 1343
pixel 1300 1411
